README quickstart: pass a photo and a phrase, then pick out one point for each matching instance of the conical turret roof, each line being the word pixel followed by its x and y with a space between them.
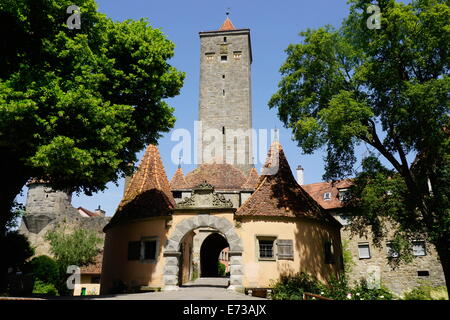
pixel 279 195
pixel 178 181
pixel 227 25
pixel 148 193
pixel 252 180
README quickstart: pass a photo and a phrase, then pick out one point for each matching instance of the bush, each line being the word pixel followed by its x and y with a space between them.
pixel 426 292
pixel 292 287
pixel 44 269
pixel 43 288
pixel 362 292
pixel 221 269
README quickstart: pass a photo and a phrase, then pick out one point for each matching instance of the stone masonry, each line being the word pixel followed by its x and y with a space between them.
pixel 225 98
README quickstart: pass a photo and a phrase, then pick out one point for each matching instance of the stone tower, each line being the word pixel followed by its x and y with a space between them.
pixel 225 106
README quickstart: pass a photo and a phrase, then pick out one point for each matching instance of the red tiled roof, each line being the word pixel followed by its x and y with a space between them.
pixel 221 176
pixel 317 191
pixel 178 181
pixel 279 195
pixel 227 25
pixel 252 180
pixel 148 194
pixel 88 212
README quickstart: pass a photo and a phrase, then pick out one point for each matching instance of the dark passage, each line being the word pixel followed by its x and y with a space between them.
pixel 209 254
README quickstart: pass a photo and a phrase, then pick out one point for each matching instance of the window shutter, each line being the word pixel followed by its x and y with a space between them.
pixel 285 250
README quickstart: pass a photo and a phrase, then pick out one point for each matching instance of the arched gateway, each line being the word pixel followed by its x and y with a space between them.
pixel 172 248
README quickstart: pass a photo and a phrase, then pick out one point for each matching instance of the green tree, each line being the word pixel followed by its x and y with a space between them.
pixel 78 247
pixel 77 105
pixel 387 88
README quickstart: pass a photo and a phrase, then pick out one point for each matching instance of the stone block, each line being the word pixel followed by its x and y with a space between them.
pixel 171 270
pixel 203 220
pixel 170 280
pixel 235 280
pixel 171 245
pixel 177 235
pixel 236 270
pixel 171 261
pixel 231 236
pixel 236 245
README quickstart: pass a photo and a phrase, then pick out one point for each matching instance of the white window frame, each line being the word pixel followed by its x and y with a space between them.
pixel 327 196
pixel 414 242
pixel 360 244
pixel 274 247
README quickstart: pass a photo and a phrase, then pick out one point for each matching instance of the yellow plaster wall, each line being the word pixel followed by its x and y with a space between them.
pixel 115 257
pixel 308 240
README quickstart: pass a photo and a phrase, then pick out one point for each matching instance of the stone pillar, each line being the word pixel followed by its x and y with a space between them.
pixel 236 271
pixel 171 268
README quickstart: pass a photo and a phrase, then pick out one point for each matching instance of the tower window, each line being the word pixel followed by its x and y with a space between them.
pixel 223 76
pixel 224 39
pixel 223 92
pixel 223 58
pixel 237 54
pixel 209 56
pixel 223 130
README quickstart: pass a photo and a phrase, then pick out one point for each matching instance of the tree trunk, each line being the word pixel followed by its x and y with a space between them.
pixel 12 182
pixel 442 248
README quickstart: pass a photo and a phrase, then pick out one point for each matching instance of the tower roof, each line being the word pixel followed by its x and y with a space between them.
pixel 252 180
pixel 178 181
pixel 227 25
pixel 279 195
pixel 148 193
pixel 221 176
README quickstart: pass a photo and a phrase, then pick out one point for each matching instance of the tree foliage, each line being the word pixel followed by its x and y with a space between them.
pixel 77 105
pixel 387 88
pixel 78 247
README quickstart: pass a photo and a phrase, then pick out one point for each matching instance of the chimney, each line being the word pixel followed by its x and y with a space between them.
pixel 100 212
pixel 300 176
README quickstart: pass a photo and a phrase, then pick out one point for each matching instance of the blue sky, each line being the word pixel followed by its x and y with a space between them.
pixel 274 25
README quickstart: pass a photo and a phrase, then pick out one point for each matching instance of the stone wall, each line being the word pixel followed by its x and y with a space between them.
pixel 46 209
pixel 400 279
pixel 225 96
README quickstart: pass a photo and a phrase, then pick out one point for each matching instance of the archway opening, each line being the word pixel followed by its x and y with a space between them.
pixel 210 252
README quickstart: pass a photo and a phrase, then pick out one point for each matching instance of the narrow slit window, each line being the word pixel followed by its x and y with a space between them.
pixel 223 130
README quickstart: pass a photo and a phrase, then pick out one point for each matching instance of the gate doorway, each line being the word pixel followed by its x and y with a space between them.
pixel 210 251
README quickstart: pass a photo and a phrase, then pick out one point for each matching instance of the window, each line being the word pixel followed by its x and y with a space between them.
pixel 327 196
pixel 237 54
pixel 223 130
pixel 285 250
pixel 329 254
pixel 223 58
pixel 209 56
pixel 391 253
pixel 266 248
pixel 149 249
pixel 224 39
pixel 146 250
pixel 223 92
pixel 343 194
pixel 418 248
pixel 423 273
pixel 364 251
pixel 223 76
pixel 177 194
